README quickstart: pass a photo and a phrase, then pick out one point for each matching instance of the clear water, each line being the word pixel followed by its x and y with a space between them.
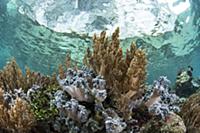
pixel 42 48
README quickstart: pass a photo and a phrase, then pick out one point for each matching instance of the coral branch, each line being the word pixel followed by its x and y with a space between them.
pixel 16 118
pixel 121 74
pixel 11 77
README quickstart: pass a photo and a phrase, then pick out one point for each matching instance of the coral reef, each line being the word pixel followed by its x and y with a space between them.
pixel 82 93
pixel 83 98
pixel 124 76
pixel 109 95
pixel 25 98
pixel 186 84
pixel 191 113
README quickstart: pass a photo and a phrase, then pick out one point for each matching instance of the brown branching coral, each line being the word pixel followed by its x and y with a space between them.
pixel 21 116
pixel 124 76
pixel 68 64
pixel 191 113
pixel 61 71
pixel 11 77
pixel 17 118
pixel 68 61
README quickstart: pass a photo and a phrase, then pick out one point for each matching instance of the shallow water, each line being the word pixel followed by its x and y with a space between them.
pixel 43 49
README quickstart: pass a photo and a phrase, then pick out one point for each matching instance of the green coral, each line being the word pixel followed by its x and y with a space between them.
pixel 41 103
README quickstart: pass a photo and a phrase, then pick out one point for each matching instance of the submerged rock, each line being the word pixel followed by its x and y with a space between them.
pixel 186 84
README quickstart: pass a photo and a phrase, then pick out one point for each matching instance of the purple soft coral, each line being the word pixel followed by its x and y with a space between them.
pixel 158 99
pixel 84 85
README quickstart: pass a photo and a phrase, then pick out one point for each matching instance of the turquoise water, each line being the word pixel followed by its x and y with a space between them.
pixel 43 49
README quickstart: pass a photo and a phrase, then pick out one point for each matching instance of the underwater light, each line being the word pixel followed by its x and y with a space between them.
pixel 176 6
pixel 135 18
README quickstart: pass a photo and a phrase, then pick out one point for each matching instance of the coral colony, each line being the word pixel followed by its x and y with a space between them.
pixel 108 94
pixel 159 100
